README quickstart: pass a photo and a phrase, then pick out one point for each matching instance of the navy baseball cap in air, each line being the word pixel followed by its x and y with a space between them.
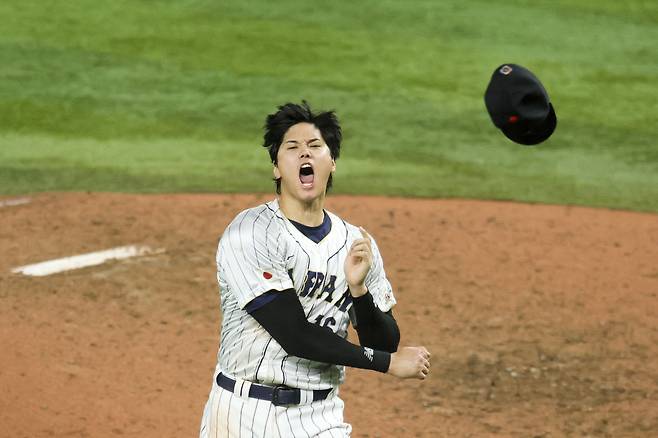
pixel 518 105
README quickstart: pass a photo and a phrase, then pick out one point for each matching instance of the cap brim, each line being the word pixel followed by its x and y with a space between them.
pixel 537 134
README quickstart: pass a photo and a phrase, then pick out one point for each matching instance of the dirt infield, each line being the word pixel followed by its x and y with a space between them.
pixel 542 320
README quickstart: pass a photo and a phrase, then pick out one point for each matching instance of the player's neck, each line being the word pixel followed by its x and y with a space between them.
pixel 306 213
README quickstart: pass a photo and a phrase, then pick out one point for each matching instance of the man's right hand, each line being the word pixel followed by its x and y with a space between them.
pixel 410 363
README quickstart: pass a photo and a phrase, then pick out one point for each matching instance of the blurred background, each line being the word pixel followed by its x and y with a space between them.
pixel 171 96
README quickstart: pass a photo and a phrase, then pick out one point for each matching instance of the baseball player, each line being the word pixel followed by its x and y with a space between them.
pixel 292 276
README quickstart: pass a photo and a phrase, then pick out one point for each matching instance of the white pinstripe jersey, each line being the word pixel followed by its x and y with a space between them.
pixel 262 250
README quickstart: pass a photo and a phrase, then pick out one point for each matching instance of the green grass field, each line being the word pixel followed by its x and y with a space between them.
pixel 169 96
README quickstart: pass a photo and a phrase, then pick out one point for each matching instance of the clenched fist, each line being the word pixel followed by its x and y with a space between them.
pixel 410 363
pixel 358 263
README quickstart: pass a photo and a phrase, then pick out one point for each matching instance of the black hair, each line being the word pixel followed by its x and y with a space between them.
pixel 289 114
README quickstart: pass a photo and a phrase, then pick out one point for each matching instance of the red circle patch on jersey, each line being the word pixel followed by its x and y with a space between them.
pixel 267 275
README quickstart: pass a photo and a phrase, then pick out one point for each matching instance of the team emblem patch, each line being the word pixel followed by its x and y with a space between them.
pixel 267 275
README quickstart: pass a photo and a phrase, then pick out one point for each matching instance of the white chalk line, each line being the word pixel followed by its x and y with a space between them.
pixel 85 260
pixel 13 202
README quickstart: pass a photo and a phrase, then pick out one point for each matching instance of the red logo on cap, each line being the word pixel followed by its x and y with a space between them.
pixel 513 119
pixel 267 275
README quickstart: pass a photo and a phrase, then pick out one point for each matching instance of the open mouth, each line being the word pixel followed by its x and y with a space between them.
pixel 306 175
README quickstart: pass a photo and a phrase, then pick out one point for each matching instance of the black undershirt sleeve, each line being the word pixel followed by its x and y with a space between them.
pixel 284 319
pixel 376 329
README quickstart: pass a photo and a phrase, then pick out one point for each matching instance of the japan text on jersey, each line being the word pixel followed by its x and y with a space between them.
pixel 261 251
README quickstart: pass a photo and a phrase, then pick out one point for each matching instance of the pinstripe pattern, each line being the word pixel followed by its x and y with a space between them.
pixel 227 415
pixel 259 251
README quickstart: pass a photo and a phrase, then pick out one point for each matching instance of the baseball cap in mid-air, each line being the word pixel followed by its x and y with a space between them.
pixel 518 105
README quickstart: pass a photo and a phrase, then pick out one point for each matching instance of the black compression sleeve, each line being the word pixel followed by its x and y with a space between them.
pixel 376 329
pixel 285 321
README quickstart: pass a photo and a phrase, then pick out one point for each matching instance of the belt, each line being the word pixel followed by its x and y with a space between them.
pixel 278 395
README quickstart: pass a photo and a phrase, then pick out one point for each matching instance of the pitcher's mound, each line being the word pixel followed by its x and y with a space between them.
pixel 542 320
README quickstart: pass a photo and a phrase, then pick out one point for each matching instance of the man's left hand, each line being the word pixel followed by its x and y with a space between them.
pixel 358 263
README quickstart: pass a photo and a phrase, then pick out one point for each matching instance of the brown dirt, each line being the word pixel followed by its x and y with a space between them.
pixel 542 320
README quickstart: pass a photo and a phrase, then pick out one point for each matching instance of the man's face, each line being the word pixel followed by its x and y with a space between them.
pixel 304 163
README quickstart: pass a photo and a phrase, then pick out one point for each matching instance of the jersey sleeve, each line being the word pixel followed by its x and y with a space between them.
pixel 251 257
pixel 377 283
